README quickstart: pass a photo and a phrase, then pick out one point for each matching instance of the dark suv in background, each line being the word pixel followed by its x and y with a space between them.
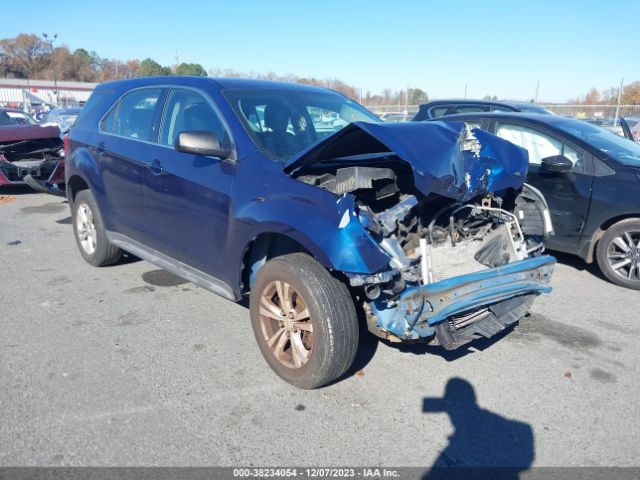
pixel 441 108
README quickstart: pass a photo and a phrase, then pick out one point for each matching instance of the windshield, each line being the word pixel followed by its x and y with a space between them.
pixel 20 118
pixel 66 121
pixel 617 147
pixel 282 123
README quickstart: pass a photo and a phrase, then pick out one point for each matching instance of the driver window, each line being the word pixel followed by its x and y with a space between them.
pixel 536 143
pixel 188 111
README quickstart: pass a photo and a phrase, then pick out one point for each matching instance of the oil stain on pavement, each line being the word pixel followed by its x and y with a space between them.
pixel 46 208
pixel 537 326
pixel 602 376
pixel 162 278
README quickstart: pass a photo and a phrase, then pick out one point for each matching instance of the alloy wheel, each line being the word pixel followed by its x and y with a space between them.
pixel 286 325
pixel 86 229
pixel 623 255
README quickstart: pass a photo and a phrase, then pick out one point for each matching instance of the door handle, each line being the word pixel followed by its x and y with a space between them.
pixel 155 166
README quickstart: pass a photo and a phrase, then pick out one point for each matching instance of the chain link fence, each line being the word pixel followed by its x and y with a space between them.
pixel 594 112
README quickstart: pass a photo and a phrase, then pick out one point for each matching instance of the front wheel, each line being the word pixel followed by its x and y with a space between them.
pixel 618 253
pixel 304 321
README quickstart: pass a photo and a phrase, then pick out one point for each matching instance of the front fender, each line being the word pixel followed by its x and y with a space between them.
pixel 329 230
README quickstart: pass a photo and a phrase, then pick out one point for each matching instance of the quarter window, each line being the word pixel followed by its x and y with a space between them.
pixel 188 111
pixel 133 115
pixel 538 144
pixel 439 111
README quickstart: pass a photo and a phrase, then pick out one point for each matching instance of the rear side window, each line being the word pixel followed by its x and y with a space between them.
pixel 133 115
pixel 97 98
pixel 439 111
pixel 188 111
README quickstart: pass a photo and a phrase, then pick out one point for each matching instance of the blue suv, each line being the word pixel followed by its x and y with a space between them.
pixel 302 198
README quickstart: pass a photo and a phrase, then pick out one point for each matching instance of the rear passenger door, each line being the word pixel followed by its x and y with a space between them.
pixel 122 147
pixel 187 196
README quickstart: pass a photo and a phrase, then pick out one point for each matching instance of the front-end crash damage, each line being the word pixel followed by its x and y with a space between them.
pixel 449 207
pixel 32 152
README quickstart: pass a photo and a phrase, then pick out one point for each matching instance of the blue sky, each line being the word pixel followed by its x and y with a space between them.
pixel 495 47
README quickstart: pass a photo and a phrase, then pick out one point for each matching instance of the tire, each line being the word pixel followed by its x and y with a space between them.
pixel 89 232
pixel 327 331
pixel 620 245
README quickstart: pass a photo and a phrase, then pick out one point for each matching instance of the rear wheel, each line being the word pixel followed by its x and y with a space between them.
pixel 304 321
pixel 90 233
pixel 618 253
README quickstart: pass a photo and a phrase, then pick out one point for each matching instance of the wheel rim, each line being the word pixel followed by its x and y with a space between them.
pixel 286 325
pixel 85 228
pixel 623 255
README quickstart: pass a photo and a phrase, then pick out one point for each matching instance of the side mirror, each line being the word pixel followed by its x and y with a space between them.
pixel 557 163
pixel 201 143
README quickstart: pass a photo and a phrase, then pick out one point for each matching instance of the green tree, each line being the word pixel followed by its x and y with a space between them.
pixel 151 68
pixel 85 70
pixel 193 69
pixel 417 96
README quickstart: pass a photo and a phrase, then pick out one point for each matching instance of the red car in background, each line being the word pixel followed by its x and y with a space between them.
pixel 30 153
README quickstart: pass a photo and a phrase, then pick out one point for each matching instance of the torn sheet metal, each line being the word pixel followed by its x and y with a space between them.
pixel 420 308
pixel 447 158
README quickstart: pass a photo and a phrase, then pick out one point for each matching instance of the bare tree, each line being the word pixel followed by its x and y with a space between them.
pixel 24 55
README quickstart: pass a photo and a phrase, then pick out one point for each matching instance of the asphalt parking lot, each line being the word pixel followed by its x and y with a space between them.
pixel 129 365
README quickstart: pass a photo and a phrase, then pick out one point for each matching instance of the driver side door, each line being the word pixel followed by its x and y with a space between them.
pixel 187 196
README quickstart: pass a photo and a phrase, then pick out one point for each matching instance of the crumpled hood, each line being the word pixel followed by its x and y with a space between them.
pixel 18 133
pixel 447 158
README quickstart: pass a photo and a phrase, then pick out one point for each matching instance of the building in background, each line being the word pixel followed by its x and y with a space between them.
pixel 38 95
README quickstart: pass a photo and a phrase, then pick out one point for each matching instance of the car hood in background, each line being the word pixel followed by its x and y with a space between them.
pixel 447 158
pixel 17 133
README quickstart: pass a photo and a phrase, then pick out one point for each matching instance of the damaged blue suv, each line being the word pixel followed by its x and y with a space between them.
pixel 301 198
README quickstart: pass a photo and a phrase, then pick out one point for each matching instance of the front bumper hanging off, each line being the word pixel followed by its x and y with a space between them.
pixel 459 309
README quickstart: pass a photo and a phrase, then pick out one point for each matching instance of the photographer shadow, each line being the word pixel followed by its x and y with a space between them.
pixel 483 444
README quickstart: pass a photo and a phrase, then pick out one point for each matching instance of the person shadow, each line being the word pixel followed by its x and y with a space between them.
pixel 484 445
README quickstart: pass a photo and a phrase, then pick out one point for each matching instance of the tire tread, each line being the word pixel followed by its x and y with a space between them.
pixel 334 299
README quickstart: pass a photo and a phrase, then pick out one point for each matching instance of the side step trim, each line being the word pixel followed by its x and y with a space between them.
pixel 183 270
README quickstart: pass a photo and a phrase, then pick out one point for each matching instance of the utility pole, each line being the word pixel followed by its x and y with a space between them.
pixel 177 59
pixel 537 91
pixel 615 118
pixel 53 63
pixel 406 104
pixel 465 90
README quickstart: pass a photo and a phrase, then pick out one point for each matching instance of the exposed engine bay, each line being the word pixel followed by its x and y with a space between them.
pixel 440 245
pixel 35 157
pixel 33 150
